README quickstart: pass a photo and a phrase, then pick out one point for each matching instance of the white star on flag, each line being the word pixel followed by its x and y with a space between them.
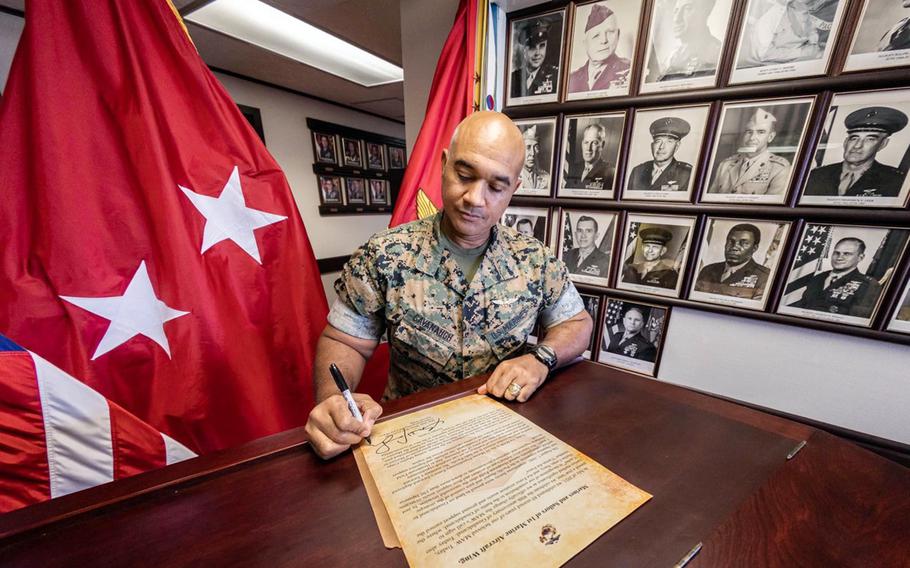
pixel 228 217
pixel 137 312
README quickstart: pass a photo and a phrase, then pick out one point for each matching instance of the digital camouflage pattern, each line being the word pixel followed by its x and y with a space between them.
pixel 440 328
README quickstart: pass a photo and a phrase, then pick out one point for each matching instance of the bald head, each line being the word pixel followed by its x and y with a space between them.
pixel 492 133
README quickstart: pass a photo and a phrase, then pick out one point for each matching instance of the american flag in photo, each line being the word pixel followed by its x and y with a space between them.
pixel 568 242
pixel 812 251
pixel 614 312
pixel 633 232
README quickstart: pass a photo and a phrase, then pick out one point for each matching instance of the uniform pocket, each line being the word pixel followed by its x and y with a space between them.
pixel 422 345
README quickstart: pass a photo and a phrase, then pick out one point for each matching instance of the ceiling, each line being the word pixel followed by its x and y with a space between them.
pixel 374 25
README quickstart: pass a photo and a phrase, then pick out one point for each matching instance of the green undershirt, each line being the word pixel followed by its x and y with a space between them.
pixel 468 259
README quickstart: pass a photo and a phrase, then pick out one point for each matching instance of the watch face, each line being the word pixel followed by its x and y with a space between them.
pixel 546 355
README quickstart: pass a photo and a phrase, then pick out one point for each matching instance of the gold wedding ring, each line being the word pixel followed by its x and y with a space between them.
pixel 514 389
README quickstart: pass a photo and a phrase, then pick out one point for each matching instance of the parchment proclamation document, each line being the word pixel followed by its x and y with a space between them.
pixel 472 483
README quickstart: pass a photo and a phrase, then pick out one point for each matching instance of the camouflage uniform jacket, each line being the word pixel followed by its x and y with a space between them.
pixel 440 328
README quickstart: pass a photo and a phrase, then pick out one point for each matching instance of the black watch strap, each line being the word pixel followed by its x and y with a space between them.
pixel 546 355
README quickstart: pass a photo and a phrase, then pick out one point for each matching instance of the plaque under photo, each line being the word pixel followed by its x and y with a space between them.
pixel 586 245
pixel 632 335
pixel 529 221
pixel 602 49
pixel 539 136
pixel 882 37
pixel 756 145
pixel 685 42
pixel 737 262
pixel 786 39
pixel 590 152
pixel 840 272
pixel 863 152
pixel 664 153
pixel 654 252
pixel 535 57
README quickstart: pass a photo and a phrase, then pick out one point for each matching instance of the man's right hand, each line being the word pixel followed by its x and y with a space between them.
pixel 331 429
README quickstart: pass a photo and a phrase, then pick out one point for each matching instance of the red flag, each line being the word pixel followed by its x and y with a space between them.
pixel 152 247
pixel 451 100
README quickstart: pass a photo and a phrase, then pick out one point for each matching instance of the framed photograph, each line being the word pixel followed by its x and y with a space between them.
pixel 529 221
pixel 590 151
pixel 863 152
pixel 353 155
pixel 254 116
pixel 592 306
pixel 755 147
pixel 602 49
pixel 665 152
pixel 539 136
pixel 586 245
pixel 330 189
pixel 900 320
pixel 325 148
pixel 737 262
pixel 354 190
pixel 685 42
pixel 655 249
pixel 840 272
pixel 535 57
pixel 379 191
pixel 396 158
pixel 786 39
pixel 375 156
pixel 632 335
pixel 882 37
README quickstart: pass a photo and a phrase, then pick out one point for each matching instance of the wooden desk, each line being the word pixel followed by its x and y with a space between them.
pixel 718 473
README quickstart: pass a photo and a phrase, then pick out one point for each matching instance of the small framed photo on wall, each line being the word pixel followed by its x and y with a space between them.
pixel 632 335
pixel 379 191
pixel 654 252
pixel 354 191
pixel 900 319
pixel 602 49
pixel 375 156
pixel 786 39
pixel 529 221
pixel 590 152
pixel 330 190
pixel 586 245
pixel 396 158
pixel 685 42
pixel 756 145
pixel 737 261
pixel 665 152
pixel 882 37
pixel 535 57
pixel 840 272
pixel 863 152
pixel 326 148
pixel 353 155
pixel 539 135
pixel 592 306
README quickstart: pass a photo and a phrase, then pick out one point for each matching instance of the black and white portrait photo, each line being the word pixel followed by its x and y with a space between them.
pixel 590 152
pixel 737 261
pixel 654 253
pixel 664 153
pixel 592 306
pixel 326 148
pixel 351 152
pixel 535 48
pixel 539 137
pixel 586 245
pixel 632 335
pixel 882 38
pixel 900 320
pixel 863 152
pixel 754 150
pixel 840 272
pixel 354 190
pixel 602 49
pixel 396 158
pixel 529 221
pixel 379 191
pixel 685 42
pixel 330 189
pixel 375 156
pixel 785 39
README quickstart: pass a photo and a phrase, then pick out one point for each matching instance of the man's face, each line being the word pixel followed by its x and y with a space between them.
pixel 585 233
pixel 532 150
pixel 524 227
pixel 740 247
pixel 601 40
pixel 535 54
pixel 652 251
pixel 633 321
pixel 663 147
pixel 861 146
pixel 756 137
pixel 846 256
pixel 682 18
pixel 591 145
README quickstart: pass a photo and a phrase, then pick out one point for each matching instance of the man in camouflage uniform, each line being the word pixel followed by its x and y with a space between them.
pixel 457 294
pixel 754 169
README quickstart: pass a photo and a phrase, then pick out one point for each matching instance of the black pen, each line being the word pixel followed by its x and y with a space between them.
pixel 346 393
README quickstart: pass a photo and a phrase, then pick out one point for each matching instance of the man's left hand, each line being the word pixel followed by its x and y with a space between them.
pixel 525 371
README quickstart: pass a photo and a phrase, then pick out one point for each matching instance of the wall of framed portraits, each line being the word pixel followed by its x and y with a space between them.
pixel 742 165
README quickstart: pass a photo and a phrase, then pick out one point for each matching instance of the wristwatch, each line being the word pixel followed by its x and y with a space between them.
pixel 545 355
